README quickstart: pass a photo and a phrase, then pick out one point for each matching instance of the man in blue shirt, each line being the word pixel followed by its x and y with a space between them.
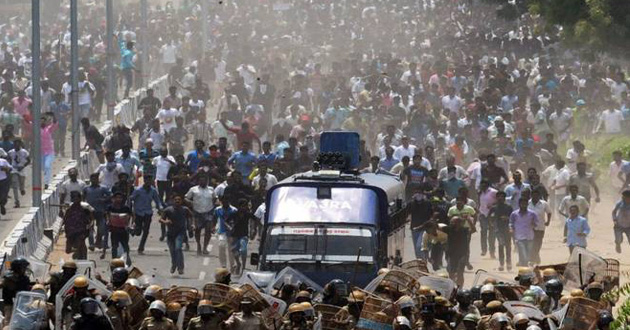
pixel 621 219
pixel 142 199
pixel 195 156
pixel 389 160
pixel 61 110
pixel 513 191
pixel 451 184
pixel 220 214
pixel 98 197
pixel 267 156
pixel 243 161
pixel 126 63
pixel 576 229
pixel 129 162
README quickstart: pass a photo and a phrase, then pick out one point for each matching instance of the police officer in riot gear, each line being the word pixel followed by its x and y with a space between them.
pixel 14 281
pixel 207 319
pixel 335 293
pixel 119 277
pixel 158 319
pixel 59 279
pixel 90 318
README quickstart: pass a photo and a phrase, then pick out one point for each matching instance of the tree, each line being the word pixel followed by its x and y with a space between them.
pixel 589 25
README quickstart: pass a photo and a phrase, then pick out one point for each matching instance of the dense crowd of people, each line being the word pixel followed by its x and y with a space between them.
pixel 482 119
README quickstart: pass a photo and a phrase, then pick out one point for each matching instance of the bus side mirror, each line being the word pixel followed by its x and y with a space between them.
pixel 254 258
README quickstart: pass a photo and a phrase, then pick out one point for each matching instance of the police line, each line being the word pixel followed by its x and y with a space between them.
pixel 38 230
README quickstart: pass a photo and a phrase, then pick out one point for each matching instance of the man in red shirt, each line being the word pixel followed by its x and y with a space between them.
pixel 243 134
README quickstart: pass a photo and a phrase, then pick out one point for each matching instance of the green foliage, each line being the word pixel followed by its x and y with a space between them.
pixel 602 147
pixel 590 25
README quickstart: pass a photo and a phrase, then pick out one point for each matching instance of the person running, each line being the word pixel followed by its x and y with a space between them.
pixel 176 218
pixel 119 218
pixel 141 200
pixel 237 233
pixel 220 216
pixel 19 158
pixel 201 197
pixel 621 220
pixel 576 229
pixel 522 225
pixel 499 217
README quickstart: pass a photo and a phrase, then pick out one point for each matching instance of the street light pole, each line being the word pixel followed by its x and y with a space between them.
pixel 111 89
pixel 74 78
pixel 144 47
pixel 37 102
pixel 204 28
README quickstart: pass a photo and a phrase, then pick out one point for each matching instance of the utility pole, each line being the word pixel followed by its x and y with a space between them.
pixel 144 47
pixel 204 27
pixel 74 77
pixel 111 88
pixel 37 103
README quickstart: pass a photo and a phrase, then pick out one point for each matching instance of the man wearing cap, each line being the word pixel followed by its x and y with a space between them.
pixel 59 279
pixel 245 319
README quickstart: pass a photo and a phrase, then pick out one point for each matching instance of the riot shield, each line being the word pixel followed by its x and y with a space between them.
pixel 86 268
pixel 271 308
pixel 327 315
pixel 29 311
pixel 39 270
pixel 481 275
pixel 581 314
pixel 291 276
pixel 258 279
pixel 398 281
pixel 138 306
pixel 445 286
pixel 97 288
pixel 222 294
pixel 377 314
pixel 532 312
pixel 584 267
pixel 371 287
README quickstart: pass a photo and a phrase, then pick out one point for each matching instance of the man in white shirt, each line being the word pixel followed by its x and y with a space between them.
pixel 163 164
pixel 611 119
pixel 86 89
pixel 615 169
pixel 108 172
pixel 573 199
pixel 270 180
pixel 169 55
pixel 5 170
pixel 451 101
pixel 460 172
pixel 543 211
pixel 405 149
pixel 19 159
pixel 202 199
pixel 560 182
pixel 167 116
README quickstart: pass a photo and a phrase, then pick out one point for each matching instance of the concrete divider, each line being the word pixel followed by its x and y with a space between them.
pixel 28 236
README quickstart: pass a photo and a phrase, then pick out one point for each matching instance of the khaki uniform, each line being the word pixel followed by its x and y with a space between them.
pixel 344 319
pixel 288 325
pixel 196 323
pixel 151 323
pixel 121 320
pixel 436 325
pixel 238 321
pixel 484 323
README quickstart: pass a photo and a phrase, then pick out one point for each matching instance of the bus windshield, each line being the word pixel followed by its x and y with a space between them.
pixel 319 244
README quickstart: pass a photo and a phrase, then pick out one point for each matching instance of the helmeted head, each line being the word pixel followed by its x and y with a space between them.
pixel 549 273
pixel 488 293
pixel 81 284
pixel 554 287
pixel 19 265
pixel 204 308
pixel 119 276
pixel 69 268
pixel 152 293
pixel 120 299
pixel 223 276
pixel 116 263
pixel 157 309
pixel 464 297
pixel 89 307
pixel 39 288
